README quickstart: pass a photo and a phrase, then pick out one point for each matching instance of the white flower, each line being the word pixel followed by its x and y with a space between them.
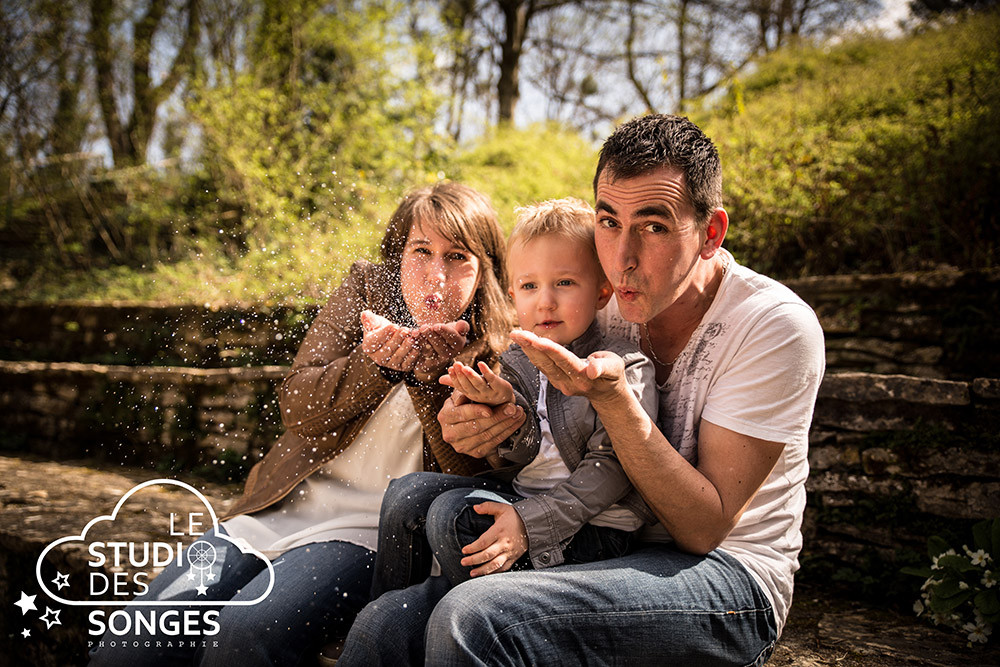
pixel 918 607
pixel 979 557
pixel 977 633
pixel 962 586
pixel 989 579
pixel 934 561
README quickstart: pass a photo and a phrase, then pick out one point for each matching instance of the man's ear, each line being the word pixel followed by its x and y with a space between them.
pixel 604 293
pixel 715 232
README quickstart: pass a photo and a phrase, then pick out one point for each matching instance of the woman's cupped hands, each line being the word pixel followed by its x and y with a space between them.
pixel 426 350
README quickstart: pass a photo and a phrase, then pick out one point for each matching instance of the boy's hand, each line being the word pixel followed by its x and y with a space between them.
pixel 476 430
pixel 498 548
pixel 488 388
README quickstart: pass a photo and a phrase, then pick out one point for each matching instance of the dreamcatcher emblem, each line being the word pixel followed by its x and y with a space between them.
pixel 201 557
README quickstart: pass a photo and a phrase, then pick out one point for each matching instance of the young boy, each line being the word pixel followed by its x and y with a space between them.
pixel 558 492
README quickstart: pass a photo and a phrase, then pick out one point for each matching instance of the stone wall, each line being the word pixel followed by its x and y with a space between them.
pixel 215 422
pixel 894 458
pixel 134 334
pixel 942 324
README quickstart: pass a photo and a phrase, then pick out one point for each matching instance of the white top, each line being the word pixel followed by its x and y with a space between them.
pixel 753 366
pixel 341 500
pixel 548 469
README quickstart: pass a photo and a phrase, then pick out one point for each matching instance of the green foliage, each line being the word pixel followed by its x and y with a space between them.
pixel 519 167
pixel 960 589
pixel 869 156
pixel 317 140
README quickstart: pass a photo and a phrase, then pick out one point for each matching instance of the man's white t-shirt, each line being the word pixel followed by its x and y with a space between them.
pixel 753 366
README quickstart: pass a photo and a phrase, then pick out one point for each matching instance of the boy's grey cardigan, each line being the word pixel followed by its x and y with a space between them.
pixel 596 479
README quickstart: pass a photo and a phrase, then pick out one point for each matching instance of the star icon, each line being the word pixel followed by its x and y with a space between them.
pixel 49 622
pixel 210 576
pixel 26 603
pixel 202 590
pixel 61 580
pixel 26 633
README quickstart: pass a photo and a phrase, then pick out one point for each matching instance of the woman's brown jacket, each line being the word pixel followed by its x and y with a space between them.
pixel 333 389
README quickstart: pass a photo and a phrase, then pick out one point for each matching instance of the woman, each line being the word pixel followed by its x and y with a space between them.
pixel 360 407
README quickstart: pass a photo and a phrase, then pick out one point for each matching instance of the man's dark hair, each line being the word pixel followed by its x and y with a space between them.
pixel 647 143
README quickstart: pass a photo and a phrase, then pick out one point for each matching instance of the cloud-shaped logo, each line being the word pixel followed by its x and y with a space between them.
pixel 200 557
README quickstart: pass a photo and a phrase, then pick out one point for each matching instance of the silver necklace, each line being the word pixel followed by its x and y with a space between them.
pixel 652 350
pixel 645 326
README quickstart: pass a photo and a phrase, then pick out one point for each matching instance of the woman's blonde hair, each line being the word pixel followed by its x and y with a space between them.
pixel 465 217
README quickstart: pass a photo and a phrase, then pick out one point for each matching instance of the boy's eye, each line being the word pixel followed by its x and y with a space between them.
pixel 564 282
pixel 458 256
pixel 527 286
pixel 421 250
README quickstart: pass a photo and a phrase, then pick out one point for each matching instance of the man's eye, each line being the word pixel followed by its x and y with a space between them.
pixel 656 228
pixel 607 223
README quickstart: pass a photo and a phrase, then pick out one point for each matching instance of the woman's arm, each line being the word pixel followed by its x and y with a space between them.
pixel 332 378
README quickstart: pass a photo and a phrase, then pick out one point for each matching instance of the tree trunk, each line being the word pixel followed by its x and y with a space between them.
pixel 516 15
pixel 129 142
pixel 682 54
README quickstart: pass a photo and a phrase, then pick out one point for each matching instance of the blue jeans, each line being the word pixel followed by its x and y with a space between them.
pixel 427 509
pixel 657 605
pixel 404 556
pixel 318 589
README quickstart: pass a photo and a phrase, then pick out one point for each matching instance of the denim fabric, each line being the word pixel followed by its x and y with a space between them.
pixel 404 556
pixel 656 606
pixel 452 524
pixel 318 588
pixel 420 503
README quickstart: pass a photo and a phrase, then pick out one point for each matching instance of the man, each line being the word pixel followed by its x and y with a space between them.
pixel 739 359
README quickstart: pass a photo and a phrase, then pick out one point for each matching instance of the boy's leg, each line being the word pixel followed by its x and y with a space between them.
pixel 655 606
pixel 404 558
pixel 318 589
pixel 453 524
pixel 593 543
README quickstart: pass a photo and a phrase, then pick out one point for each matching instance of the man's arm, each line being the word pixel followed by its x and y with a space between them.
pixel 697 505
pixel 475 429
pixel 700 505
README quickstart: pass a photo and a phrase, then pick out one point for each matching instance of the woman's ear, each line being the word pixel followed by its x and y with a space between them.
pixel 604 292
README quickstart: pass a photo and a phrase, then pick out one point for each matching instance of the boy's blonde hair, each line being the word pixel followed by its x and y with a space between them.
pixel 569 217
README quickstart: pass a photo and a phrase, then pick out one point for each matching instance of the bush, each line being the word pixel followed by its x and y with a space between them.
pixel 873 155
